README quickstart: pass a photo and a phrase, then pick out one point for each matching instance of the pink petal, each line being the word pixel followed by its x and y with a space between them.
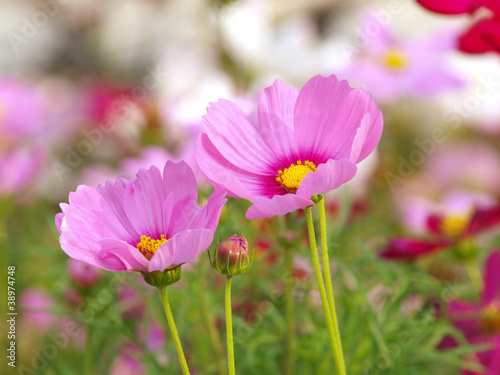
pixel 434 224
pixel 327 115
pixel 447 6
pixel 475 40
pixel 491 291
pixel 135 205
pixel 465 317
pixel 238 182
pixel 368 135
pixel 116 255
pixel 408 248
pixel 327 177
pixel 113 194
pixel 483 219
pixel 182 214
pixel 90 207
pixel 494 365
pixel 209 215
pixel 181 248
pixel 236 138
pixel 275 113
pixel 178 178
pixel 277 205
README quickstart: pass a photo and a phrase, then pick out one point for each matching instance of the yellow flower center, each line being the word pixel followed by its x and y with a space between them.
pixel 292 176
pixel 395 59
pixel 490 319
pixel 454 225
pixel 148 246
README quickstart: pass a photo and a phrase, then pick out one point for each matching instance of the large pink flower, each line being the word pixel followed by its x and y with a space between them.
pixel 151 224
pixel 306 143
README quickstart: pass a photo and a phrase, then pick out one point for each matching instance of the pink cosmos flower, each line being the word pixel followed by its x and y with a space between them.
pixel 390 68
pixel 151 224
pixel 481 323
pixel 462 220
pixel 306 143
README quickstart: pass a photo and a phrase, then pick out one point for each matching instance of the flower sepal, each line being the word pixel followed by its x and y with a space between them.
pixel 165 278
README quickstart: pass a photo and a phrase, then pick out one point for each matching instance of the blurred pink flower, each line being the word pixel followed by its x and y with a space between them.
pixel 416 210
pixel 306 143
pixel 126 364
pixel 151 224
pixel 390 68
pixel 83 274
pixel 19 168
pixel 481 323
pixel 35 305
pixel 460 218
pixel 102 99
pixel 150 156
pixel 131 303
pixel 155 337
pixel 23 112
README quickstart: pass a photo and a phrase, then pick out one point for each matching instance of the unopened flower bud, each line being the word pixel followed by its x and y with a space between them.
pixel 232 257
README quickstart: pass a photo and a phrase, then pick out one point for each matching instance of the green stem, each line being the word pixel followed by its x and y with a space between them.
pixel 173 330
pixel 229 328
pixel 474 274
pixel 290 360
pixel 89 351
pixel 210 323
pixel 326 269
pixel 337 351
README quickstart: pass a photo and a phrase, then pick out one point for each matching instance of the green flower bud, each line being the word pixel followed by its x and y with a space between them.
pixel 232 257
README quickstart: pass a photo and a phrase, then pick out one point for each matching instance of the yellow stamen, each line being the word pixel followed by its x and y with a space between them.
pixel 292 176
pixel 454 225
pixel 395 59
pixel 148 246
pixel 490 319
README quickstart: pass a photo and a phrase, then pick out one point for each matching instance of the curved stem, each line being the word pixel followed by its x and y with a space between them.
pixel 290 360
pixel 337 351
pixel 173 330
pixel 229 328
pixel 326 270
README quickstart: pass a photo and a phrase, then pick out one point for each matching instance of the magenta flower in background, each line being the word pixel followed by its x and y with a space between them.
pixel 458 204
pixel 458 218
pixel 391 68
pixel 306 143
pixel 151 224
pixel 481 323
pixel 484 33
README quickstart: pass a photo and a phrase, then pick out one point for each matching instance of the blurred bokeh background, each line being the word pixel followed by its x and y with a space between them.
pixel 92 90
